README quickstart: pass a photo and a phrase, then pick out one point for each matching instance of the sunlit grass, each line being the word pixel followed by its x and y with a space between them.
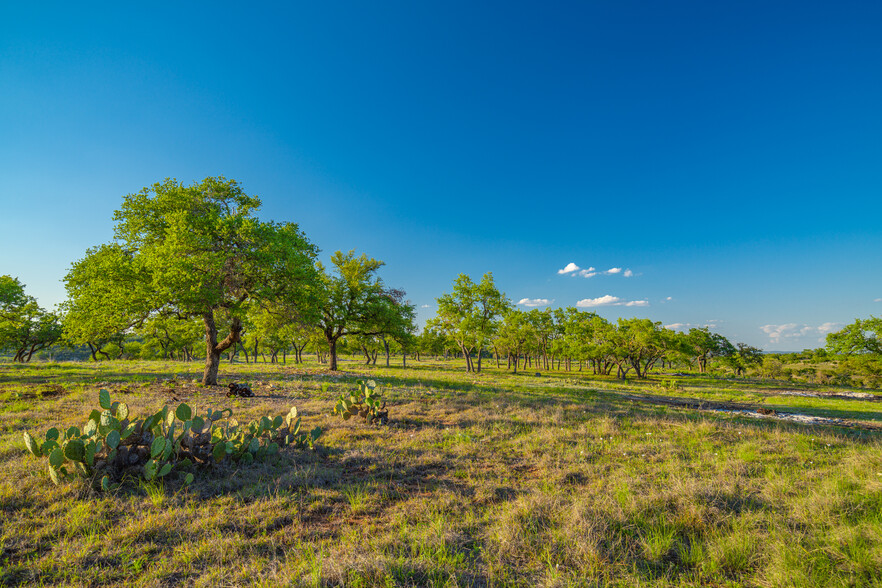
pixel 480 480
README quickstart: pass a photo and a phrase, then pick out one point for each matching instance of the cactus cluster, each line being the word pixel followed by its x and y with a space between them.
pixel 366 402
pixel 111 446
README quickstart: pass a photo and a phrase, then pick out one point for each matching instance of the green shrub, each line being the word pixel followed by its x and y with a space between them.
pixel 111 446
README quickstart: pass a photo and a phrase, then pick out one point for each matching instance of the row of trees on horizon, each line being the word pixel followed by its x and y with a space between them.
pixel 192 273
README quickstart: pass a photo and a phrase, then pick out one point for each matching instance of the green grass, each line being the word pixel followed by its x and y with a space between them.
pixel 480 480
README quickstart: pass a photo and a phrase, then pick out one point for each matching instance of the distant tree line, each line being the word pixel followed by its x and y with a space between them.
pixel 475 318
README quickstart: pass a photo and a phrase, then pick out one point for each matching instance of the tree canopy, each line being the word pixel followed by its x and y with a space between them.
pixel 189 251
pixel 356 302
pixel 470 315
pixel 25 327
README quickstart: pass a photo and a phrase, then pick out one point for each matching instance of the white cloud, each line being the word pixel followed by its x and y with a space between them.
pixel 684 326
pixel 795 332
pixel 535 301
pixel 574 270
pixel 829 328
pixel 424 306
pixel 602 301
pixel 609 300
pixel 878 300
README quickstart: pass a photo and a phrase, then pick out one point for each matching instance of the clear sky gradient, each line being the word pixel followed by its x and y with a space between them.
pixel 728 154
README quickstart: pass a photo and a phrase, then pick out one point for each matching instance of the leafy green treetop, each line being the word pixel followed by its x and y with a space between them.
pixel 189 251
pixel 863 336
pixel 356 302
pixel 704 345
pixel 470 315
pixel 25 327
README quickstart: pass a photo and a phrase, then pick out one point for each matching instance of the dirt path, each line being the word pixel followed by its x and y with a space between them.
pixel 751 411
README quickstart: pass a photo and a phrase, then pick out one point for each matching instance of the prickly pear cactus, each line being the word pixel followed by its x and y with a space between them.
pixel 110 447
pixel 366 402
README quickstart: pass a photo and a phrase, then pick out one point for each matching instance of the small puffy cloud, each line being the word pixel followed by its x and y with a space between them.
pixel 676 326
pixel 878 300
pixel 424 306
pixel 535 301
pixel 602 301
pixel 574 270
pixel 609 300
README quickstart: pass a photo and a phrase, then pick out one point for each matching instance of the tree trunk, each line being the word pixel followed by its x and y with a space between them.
pixel 332 353
pixel 213 349
pixel 467 358
pixel 386 347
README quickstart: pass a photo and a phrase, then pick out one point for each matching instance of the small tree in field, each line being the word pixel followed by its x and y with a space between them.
pixel 25 327
pixel 357 303
pixel 189 251
pixel 470 315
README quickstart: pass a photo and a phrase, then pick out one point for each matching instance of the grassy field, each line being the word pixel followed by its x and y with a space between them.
pixel 497 479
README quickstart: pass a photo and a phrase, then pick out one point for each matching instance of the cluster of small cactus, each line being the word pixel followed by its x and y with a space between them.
pixel 366 403
pixel 110 446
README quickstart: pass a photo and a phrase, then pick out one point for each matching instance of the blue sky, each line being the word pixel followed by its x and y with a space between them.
pixel 727 154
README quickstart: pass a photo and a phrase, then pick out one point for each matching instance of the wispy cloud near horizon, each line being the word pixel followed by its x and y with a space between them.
pixel 796 331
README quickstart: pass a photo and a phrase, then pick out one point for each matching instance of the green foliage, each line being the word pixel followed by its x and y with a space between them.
pixel 25 327
pixel 188 252
pixel 862 337
pixel 110 447
pixel 357 303
pixel 470 315
pixel 366 402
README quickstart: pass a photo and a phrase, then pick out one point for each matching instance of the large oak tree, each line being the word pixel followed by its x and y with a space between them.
pixel 189 251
